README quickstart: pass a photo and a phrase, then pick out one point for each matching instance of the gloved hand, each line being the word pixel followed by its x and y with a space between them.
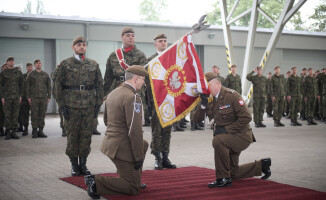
pixel 204 99
pixel 65 112
pixel 138 164
pixel 219 130
pixel 96 110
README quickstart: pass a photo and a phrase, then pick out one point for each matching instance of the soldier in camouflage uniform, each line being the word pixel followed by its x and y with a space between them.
pixel 309 91
pixel 286 102
pixel 259 95
pixel 160 136
pixel 322 94
pixel 54 76
pixel 114 74
pixel 278 92
pixel 38 92
pixel 269 102
pixel 11 89
pixel 79 90
pixel 216 70
pixel 233 80
pixel 2 117
pixel 303 103
pixel 294 96
pixel 24 107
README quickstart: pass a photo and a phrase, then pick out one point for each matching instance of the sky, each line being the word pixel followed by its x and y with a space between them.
pixel 178 11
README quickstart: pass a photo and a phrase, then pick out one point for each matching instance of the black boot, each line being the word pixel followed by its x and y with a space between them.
pixel 158 161
pixel 312 121
pixel 276 124
pixel 280 123
pixel 322 119
pixel 257 125
pixel 147 122
pixel 309 121
pixel 166 162
pixel 13 134
pixel 176 127
pixel 82 166
pixel 41 133
pixel 95 131
pixel 221 182
pixel 25 132
pixel 2 133
pixel 201 124
pixel 265 167
pixel 20 128
pixel 74 166
pixel 63 134
pixel 192 125
pixel 293 123
pixel 262 125
pixel 8 134
pixel 296 121
pixel 182 124
pixel 197 127
pixel 91 186
pixel 34 133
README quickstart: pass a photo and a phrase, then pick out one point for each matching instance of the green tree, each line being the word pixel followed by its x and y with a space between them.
pixel 28 8
pixel 151 10
pixel 319 17
pixel 39 8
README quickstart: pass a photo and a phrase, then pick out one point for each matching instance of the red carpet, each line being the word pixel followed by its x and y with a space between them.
pixel 191 183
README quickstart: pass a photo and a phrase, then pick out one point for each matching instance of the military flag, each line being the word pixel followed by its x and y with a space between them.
pixel 176 78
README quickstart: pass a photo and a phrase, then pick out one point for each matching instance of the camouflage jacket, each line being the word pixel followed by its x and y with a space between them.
pixel 24 85
pixel 11 84
pixel 259 84
pixel 293 86
pixel 38 84
pixel 222 80
pixel 114 73
pixel 53 77
pixel 79 74
pixel 278 86
pixel 321 80
pixel 233 82
pixel 309 87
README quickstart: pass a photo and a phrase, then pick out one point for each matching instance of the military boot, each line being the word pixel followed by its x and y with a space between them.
pixel 182 124
pixel 91 186
pixel 265 167
pixel 312 121
pixel 8 134
pixel 95 131
pixel 197 127
pixel 63 134
pixel 296 121
pixel 293 123
pixel 262 125
pixel 166 162
pixel 257 125
pixel 192 125
pixel 201 124
pixel 322 119
pixel 2 133
pixel 74 166
pixel 13 134
pixel 280 123
pixel 41 133
pixel 82 166
pixel 25 132
pixel 20 128
pixel 309 121
pixel 34 133
pixel 177 127
pixel 158 161
pixel 276 124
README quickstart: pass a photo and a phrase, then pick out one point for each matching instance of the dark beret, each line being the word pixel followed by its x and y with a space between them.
pixel 138 70
pixel 210 76
pixel 78 39
pixel 127 30
pixel 159 36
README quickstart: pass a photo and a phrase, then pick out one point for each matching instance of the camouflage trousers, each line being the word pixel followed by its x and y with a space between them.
pixel 79 131
pixel 38 111
pixel 303 107
pixel 321 107
pixel 278 108
pixel 24 112
pixel 61 119
pixel 295 107
pixel 323 99
pixel 2 115
pixel 310 106
pixel 258 107
pixel 160 136
pixel 269 105
pixel 11 113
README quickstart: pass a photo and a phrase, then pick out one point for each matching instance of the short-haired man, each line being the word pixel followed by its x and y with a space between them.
pixel 216 70
pixel 38 93
pixel 294 96
pixel 310 92
pixel 233 80
pixel 278 92
pixel 2 116
pixel 123 142
pixel 232 134
pixel 269 102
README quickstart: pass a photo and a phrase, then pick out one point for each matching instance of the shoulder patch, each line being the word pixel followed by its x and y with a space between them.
pixel 137 107
pixel 241 102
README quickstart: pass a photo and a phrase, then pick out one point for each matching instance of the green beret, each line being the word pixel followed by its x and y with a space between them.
pixel 210 76
pixel 78 40
pixel 138 70
pixel 127 30
pixel 159 36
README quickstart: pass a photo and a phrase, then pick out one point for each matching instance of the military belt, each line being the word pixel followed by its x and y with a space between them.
pixel 120 78
pixel 79 87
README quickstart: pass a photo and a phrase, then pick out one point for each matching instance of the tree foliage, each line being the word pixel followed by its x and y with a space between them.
pixel 39 8
pixel 319 17
pixel 151 10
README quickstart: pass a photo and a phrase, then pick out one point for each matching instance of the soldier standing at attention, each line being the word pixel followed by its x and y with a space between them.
pixel 11 89
pixel 286 111
pixel 161 137
pixel 294 96
pixel 232 134
pixel 259 95
pixel 278 92
pixel 216 70
pixel 322 95
pixel 25 107
pixel 79 90
pixel 2 117
pixel 319 112
pixel 269 102
pixel 233 80
pixel 120 60
pixel 38 92
pixel 310 91
pixel 303 103
pixel 123 142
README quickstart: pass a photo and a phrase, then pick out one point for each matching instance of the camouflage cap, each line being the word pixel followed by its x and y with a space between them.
pixel 210 76
pixel 78 40
pixel 138 70
pixel 127 30
pixel 159 36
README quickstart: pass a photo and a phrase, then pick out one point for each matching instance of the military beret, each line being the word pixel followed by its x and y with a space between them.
pixel 210 76
pixel 127 30
pixel 78 39
pixel 138 70
pixel 10 59
pixel 159 36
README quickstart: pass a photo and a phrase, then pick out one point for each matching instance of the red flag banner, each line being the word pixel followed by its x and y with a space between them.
pixel 177 78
